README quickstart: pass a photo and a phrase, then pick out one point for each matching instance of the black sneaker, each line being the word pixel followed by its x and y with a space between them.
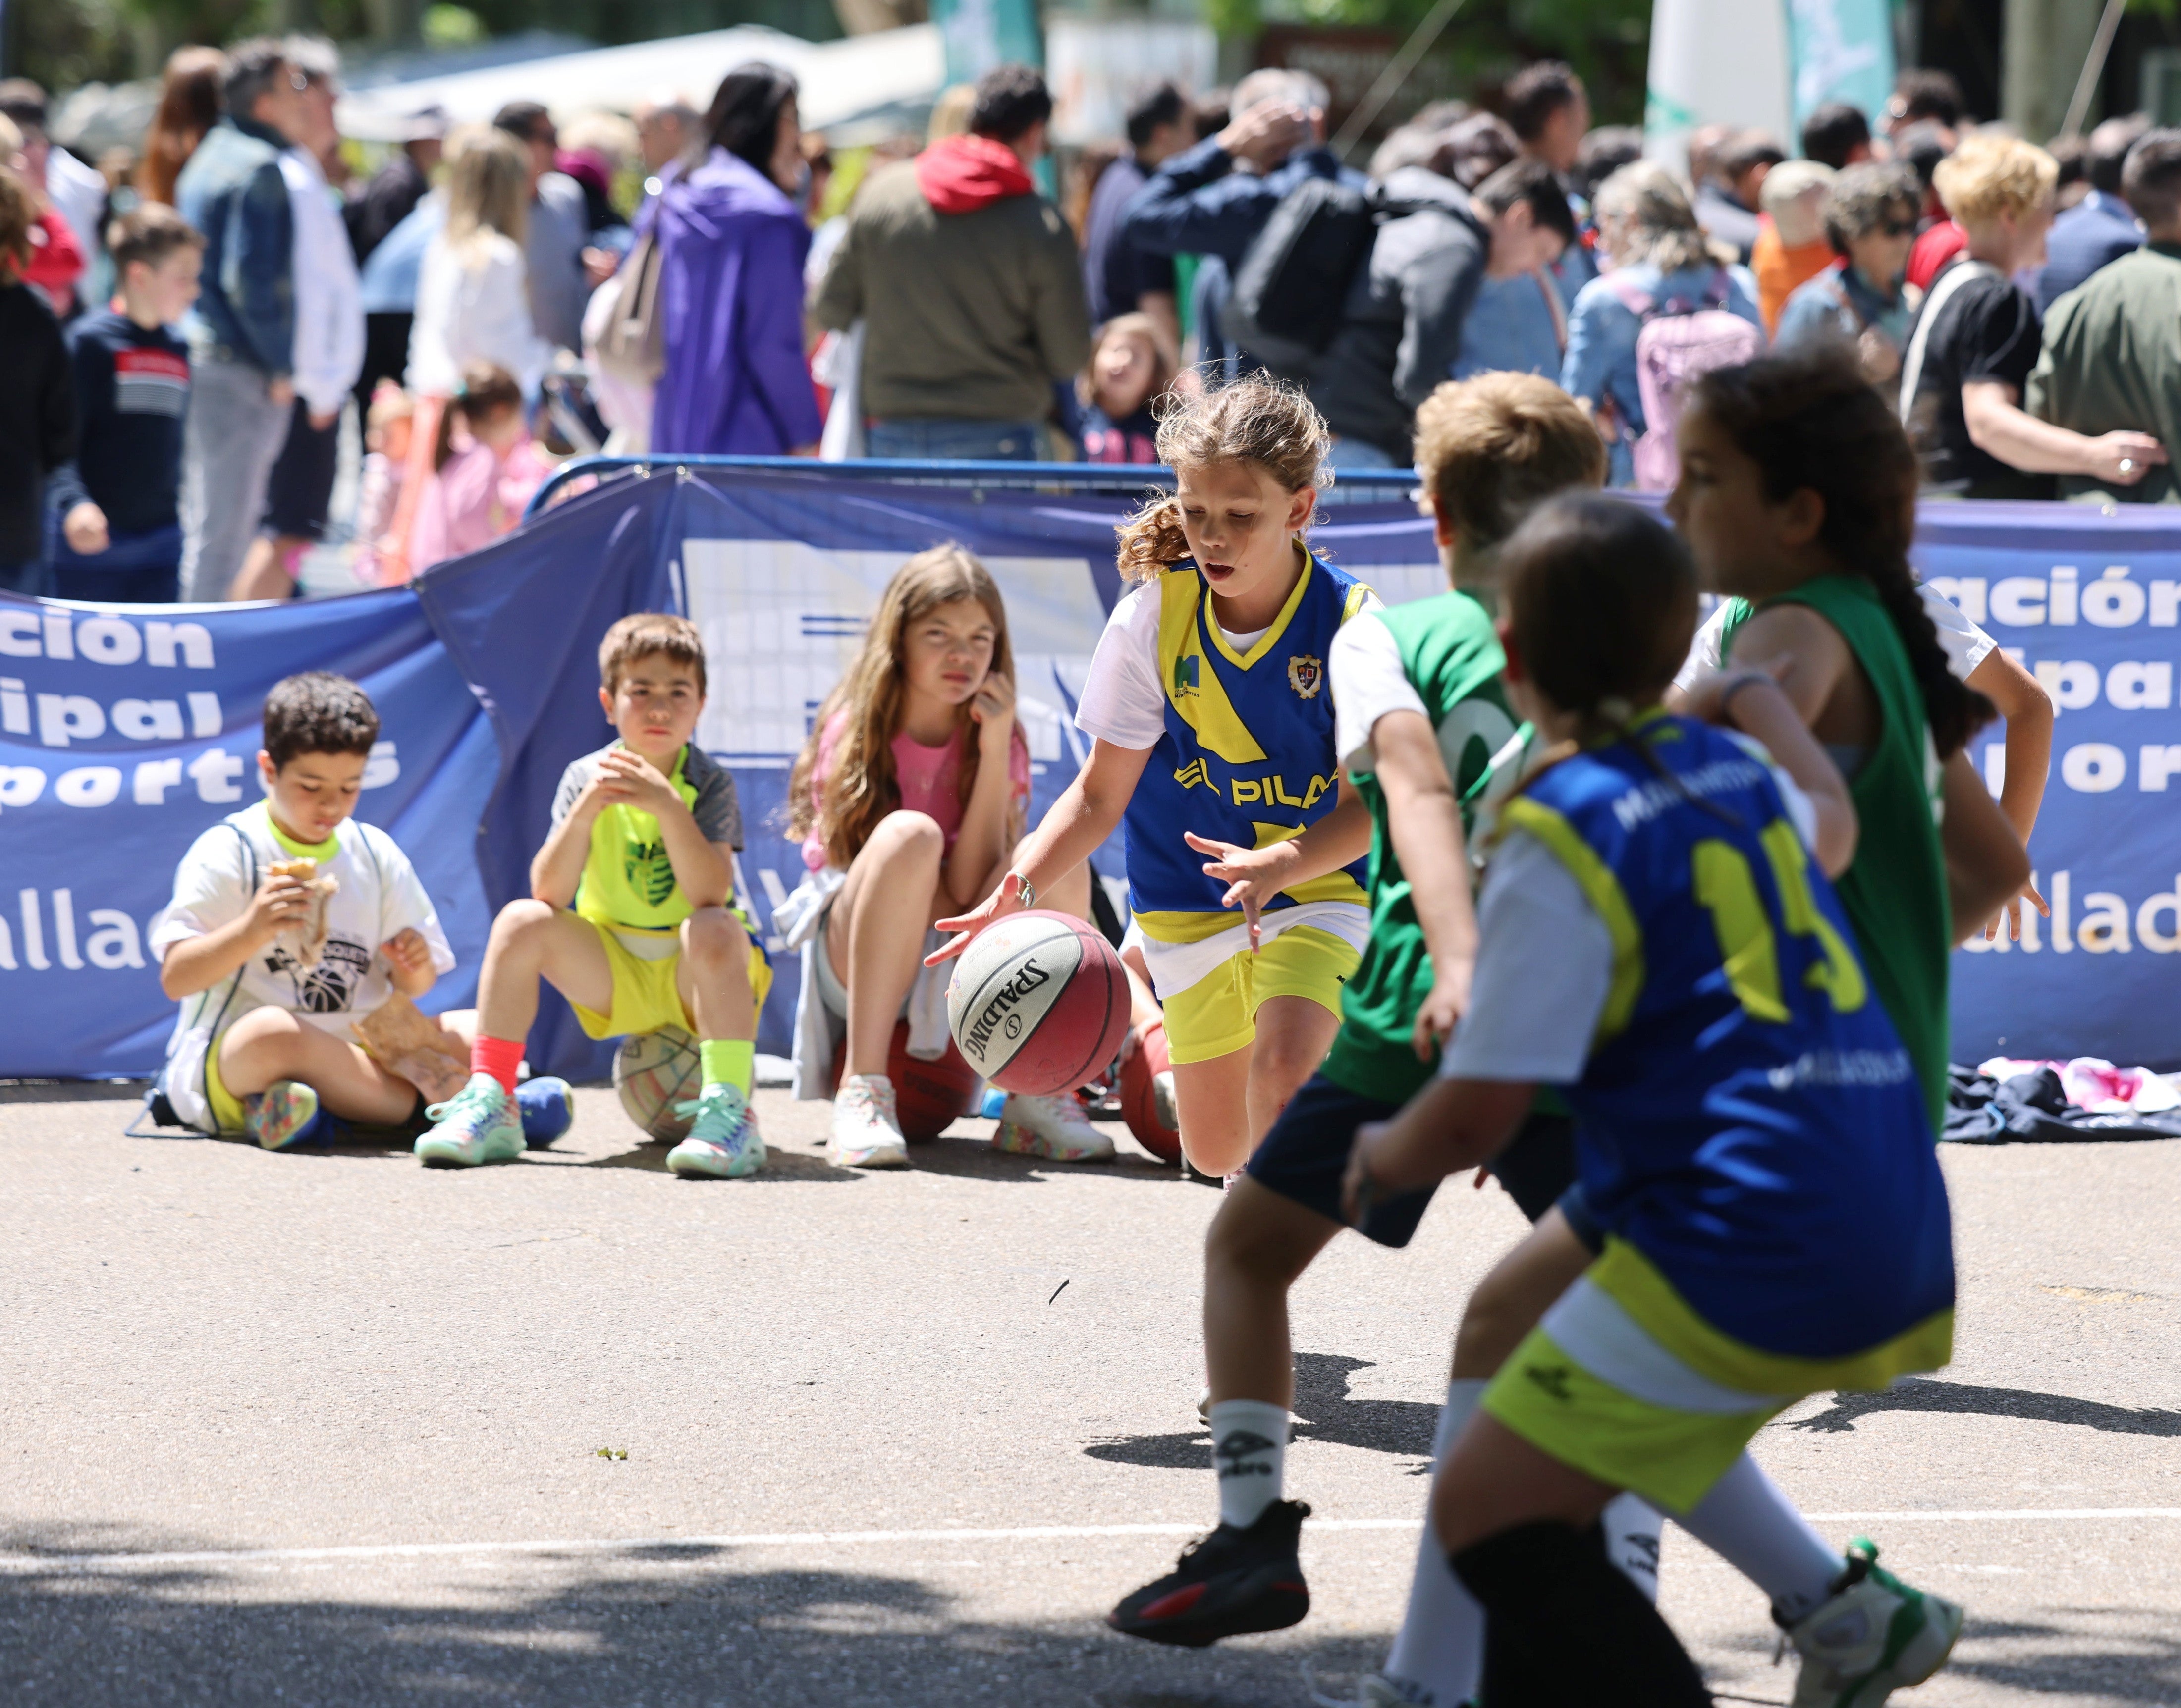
pixel 1233 1581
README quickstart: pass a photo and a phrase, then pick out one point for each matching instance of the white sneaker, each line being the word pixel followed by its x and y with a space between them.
pixel 1873 1636
pixel 866 1131
pixel 1053 1127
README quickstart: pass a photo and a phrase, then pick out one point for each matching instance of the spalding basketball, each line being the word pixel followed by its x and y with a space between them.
pixel 1139 1098
pixel 1039 1003
pixel 928 1096
pixel 652 1071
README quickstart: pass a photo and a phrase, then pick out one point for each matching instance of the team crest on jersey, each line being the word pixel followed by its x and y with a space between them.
pixel 1306 674
pixel 1184 675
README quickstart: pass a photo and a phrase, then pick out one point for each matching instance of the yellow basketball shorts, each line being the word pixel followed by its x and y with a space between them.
pixel 228 1115
pixel 1623 1381
pixel 645 997
pixel 1217 1014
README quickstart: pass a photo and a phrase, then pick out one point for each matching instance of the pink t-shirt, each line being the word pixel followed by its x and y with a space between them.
pixel 930 779
pixel 474 499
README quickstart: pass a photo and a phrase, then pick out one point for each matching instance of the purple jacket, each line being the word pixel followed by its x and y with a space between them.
pixel 732 248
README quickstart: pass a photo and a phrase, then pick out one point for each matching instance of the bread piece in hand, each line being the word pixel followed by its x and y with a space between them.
pixel 306 939
pixel 413 1047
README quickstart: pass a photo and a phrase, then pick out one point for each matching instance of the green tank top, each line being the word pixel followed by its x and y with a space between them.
pixel 1452 658
pixel 1895 890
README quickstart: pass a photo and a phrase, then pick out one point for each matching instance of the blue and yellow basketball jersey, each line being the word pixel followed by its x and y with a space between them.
pixel 1748 1120
pixel 1247 755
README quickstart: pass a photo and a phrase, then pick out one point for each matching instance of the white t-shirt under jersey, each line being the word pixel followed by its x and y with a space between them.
pixel 1544 958
pixel 1124 701
pixel 1967 645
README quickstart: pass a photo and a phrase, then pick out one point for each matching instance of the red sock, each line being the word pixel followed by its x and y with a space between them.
pixel 499 1057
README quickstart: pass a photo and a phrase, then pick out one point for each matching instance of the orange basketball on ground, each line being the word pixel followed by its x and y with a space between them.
pixel 1139 1098
pixel 928 1095
pixel 1039 1003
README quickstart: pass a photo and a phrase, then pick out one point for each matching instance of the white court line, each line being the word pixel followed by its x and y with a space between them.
pixel 21 1564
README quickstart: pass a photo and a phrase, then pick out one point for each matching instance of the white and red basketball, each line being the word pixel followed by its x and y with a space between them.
pixel 1039 1003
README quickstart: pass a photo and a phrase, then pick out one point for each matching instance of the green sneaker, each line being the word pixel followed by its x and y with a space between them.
pixel 723 1142
pixel 1874 1635
pixel 478 1124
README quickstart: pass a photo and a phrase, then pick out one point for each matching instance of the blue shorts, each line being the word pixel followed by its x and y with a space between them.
pixel 1304 1155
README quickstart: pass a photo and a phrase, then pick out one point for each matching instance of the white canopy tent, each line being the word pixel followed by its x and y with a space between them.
pixel 842 81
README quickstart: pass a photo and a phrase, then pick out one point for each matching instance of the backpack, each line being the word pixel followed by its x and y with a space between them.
pixel 1681 340
pixel 1293 281
pixel 633 349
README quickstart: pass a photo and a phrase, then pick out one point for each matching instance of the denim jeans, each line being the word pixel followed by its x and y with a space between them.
pixel 942 440
pixel 233 437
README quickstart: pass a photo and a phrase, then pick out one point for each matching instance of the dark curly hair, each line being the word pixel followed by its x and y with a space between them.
pixel 317 713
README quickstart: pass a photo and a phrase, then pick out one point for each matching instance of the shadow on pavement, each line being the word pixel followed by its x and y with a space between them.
pixel 1323 1411
pixel 2138 1662
pixel 1919 1394
pixel 619 1631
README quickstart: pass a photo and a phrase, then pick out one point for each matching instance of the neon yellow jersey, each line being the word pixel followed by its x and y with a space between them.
pixel 628 879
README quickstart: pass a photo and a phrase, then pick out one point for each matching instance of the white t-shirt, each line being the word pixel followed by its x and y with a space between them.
pixel 379 897
pixel 1544 959
pixel 1124 701
pixel 1967 645
pixel 1363 667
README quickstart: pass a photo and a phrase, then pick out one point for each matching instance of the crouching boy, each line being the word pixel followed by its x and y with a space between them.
pixel 632 916
pixel 290 920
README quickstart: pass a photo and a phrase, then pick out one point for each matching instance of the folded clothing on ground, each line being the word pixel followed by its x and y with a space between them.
pixel 2034 1106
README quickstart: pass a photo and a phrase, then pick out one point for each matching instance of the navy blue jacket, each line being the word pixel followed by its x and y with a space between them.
pixel 2097 229
pixel 232 192
pixel 1197 204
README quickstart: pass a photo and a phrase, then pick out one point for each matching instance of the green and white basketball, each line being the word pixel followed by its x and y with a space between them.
pixel 652 1071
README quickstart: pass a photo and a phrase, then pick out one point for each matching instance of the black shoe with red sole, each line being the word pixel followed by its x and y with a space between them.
pixel 1232 1582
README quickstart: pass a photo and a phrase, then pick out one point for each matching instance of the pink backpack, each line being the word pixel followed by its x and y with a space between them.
pixel 1681 340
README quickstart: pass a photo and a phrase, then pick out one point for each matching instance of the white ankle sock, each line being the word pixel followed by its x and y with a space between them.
pixel 1632 1526
pixel 1249 1455
pixel 1439 1656
pixel 1755 1528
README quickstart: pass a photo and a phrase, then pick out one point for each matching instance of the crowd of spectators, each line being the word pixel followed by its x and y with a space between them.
pixel 193 323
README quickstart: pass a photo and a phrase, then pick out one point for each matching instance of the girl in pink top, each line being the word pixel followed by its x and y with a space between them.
pixel 477 493
pixel 910 796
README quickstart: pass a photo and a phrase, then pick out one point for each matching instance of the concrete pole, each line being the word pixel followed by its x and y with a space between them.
pixel 2046 43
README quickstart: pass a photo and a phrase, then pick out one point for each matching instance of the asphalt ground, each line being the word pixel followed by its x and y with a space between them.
pixel 326 1429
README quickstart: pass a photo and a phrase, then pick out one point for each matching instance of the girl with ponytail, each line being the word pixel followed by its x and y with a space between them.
pixel 1212 722
pixel 1798 497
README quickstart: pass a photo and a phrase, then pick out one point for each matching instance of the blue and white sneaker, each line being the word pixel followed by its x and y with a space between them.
pixel 478 1124
pixel 286 1116
pixel 723 1142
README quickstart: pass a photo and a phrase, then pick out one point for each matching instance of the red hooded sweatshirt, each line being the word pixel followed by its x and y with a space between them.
pixel 960 174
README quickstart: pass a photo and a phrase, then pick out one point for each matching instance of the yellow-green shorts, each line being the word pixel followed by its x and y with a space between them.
pixel 1622 1381
pixel 1217 1014
pixel 644 997
pixel 227 1111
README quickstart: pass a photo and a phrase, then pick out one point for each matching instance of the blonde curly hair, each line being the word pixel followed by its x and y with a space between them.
pixel 1990 175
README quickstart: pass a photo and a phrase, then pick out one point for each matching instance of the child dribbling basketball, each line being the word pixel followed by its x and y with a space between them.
pixel 908 798
pixel 1213 731
pixel 632 916
pixel 1417 691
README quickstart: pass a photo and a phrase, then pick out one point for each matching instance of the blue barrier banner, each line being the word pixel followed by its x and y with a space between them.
pixel 126 731
pixel 783 568
pixel 2092 603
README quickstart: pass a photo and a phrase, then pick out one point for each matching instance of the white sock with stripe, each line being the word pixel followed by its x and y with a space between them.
pixel 1439 1656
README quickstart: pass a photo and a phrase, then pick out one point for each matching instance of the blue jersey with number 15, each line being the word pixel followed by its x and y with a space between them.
pixel 1747 1119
